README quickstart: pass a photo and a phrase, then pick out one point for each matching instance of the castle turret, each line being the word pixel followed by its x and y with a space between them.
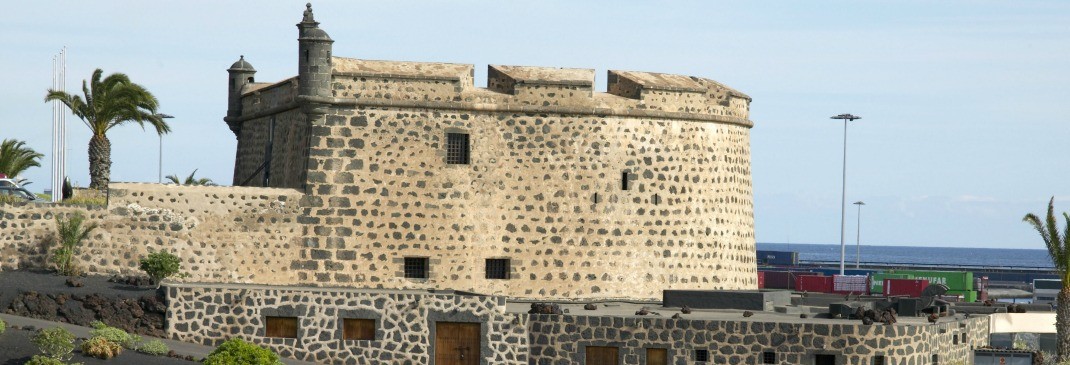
pixel 314 63
pixel 241 73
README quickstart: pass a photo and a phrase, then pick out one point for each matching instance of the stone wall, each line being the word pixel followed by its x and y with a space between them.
pixel 222 234
pixel 562 339
pixel 405 322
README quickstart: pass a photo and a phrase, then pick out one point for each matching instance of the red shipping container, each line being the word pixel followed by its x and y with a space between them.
pixel 779 280
pixel 904 287
pixel 815 284
pixel 761 280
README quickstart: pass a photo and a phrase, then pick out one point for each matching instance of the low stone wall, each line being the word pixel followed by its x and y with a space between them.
pixel 562 339
pixel 222 234
pixel 405 322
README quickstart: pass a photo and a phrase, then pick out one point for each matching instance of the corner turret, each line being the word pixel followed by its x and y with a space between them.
pixel 314 62
pixel 241 73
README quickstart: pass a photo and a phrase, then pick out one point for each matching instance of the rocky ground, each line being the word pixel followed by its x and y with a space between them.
pixel 131 304
pixel 16 349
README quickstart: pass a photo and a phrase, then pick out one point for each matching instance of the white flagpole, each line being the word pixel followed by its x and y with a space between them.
pixel 55 138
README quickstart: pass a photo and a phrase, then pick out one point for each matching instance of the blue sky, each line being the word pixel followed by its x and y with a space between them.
pixel 964 103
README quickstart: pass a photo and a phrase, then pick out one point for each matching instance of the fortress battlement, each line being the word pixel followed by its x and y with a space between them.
pixel 511 88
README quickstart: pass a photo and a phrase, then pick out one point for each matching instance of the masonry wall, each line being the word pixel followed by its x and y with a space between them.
pixel 222 234
pixel 562 339
pixel 405 322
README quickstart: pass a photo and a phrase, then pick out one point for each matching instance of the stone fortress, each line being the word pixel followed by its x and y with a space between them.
pixel 394 213
pixel 580 194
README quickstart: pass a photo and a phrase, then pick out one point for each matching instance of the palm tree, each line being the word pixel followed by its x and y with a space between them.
pixel 190 180
pixel 15 157
pixel 1058 245
pixel 108 103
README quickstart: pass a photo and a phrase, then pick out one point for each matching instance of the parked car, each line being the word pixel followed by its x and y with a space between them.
pixel 18 193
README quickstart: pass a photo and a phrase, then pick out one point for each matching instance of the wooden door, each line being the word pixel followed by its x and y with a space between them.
pixel 597 355
pixel 457 343
pixel 657 357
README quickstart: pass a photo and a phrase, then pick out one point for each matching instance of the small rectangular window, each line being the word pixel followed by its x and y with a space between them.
pixel 768 357
pixel 457 148
pixel 624 184
pixel 702 355
pixel 281 327
pixel 878 360
pixel 497 268
pixel 358 329
pixel 936 359
pixel 416 267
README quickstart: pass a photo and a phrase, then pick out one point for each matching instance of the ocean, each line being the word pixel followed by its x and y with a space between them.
pixel 1021 258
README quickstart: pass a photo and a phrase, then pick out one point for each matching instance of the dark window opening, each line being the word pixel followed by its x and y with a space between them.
pixel 250 79
pixel 281 327
pixel 657 199
pixel 936 359
pixel 457 148
pixel 824 359
pixel 768 357
pixel 596 198
pixel 358 329
pixel 702 355
pixel 497 268
pixel 416 267
pixel 955 339
pixel 624 184
pixel 878 360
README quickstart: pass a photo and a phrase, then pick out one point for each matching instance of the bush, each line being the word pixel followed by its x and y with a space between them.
pixel 71 233
pixel 160 265
pixel 154 348
pixel 101 347
pixel 43 360
pixel 55 342
pixel 114 335
pixel 3 326
pixel 236 351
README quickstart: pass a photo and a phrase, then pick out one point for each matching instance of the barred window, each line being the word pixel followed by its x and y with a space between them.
pixel 768 357
pixel 497 268
pixel 702 355
pixel 457 148
pixel 416 267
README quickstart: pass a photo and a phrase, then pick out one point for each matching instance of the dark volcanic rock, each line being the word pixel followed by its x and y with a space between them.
pixel 74 283
pixel 545 308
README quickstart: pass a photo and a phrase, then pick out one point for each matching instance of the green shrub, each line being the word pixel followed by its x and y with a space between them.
pixel 55 342
pixel 114 335
pixel 70 233
pixel 3 326
pixel 236 351
pixel 160 265
pixel 153 347
pixel 101 347
pixel 43 360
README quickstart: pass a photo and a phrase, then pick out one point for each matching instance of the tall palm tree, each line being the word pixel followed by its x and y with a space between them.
pixel 1058 244
pixel 109 102
pixel 16 157
pixel 190 180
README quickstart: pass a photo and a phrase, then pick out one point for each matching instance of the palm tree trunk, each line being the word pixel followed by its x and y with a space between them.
pixel 1062 323
pixel 99 162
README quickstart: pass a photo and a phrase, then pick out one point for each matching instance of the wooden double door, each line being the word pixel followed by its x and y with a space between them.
pixel 457 343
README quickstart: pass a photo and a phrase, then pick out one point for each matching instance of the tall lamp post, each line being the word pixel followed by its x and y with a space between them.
pixel 858 235
pixel 843 193
pixel 159 166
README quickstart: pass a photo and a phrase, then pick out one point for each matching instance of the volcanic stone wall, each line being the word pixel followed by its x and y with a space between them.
pixel 222 234
pixel 562 339
pixel 404 322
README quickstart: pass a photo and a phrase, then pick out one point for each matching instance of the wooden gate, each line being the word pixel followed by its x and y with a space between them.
pixel 457 343
pixel 597 355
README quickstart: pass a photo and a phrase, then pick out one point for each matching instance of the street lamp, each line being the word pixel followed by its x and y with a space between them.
pixel 159 166
pixel 858 235
pixel 843 197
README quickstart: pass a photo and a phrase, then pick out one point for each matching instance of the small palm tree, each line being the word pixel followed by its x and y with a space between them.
pixel 108 103
pixel 1058 244
pixel 16 157
pixel 190 180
